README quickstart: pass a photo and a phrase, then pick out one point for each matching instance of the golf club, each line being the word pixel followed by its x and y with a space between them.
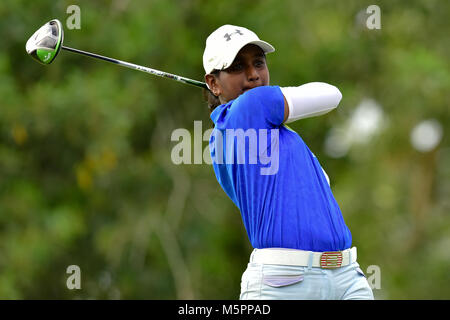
pixel 45 44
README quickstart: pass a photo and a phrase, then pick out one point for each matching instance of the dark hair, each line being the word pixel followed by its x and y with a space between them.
pixel 212 100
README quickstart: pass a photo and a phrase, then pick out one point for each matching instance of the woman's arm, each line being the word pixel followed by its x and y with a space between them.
pixel 309 100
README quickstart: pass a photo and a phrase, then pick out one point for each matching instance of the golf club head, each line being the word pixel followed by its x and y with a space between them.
pixel 45 43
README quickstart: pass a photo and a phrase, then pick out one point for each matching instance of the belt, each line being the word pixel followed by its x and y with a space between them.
pixel 293 257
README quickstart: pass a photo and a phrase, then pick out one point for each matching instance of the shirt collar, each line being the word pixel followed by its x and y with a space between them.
pixel 218 110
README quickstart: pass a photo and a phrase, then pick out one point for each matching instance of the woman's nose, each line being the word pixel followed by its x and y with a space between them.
pixel 252 74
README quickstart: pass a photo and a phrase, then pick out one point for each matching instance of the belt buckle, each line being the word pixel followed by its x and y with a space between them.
pixel 331 260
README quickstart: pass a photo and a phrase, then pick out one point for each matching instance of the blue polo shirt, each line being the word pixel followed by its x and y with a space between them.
pixel 272 177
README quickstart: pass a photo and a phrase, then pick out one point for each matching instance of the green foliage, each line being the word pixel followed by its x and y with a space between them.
pixel 86 176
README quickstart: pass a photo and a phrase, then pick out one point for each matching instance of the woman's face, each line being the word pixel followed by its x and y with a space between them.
pixel 248 70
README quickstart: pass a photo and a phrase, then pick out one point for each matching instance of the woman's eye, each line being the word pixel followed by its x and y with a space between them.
pixel 259 63
pixel 236 67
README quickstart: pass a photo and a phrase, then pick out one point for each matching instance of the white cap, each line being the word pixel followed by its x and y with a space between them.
pixel 223 45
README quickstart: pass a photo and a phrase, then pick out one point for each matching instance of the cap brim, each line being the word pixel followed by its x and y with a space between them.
pixel 265 47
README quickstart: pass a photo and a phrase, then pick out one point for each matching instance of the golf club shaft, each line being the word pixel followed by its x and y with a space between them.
pixel 138 67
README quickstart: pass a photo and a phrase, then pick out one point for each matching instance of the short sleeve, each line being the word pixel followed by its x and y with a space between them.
pixel 258 108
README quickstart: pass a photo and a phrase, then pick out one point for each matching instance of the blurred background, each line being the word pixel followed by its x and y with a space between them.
pixel 86 176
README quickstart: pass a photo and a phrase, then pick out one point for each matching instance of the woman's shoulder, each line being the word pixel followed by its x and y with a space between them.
pixel 257 96
pixel 258 107
pixel 261 92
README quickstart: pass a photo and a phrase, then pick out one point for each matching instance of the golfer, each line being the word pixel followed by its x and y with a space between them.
pixel 302 246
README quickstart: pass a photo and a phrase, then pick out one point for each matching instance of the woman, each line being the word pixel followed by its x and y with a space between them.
pixel 302 247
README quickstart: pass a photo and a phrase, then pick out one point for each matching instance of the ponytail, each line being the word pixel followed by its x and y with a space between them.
pixel 212 101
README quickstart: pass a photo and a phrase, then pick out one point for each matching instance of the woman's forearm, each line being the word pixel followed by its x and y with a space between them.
pixel 310 100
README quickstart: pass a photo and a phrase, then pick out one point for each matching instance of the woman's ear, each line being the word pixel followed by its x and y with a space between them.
pixel 213 86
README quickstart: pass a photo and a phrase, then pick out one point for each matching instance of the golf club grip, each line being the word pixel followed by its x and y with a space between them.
pixel 139 68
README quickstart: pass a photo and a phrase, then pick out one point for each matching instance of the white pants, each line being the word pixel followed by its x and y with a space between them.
pixel 268 281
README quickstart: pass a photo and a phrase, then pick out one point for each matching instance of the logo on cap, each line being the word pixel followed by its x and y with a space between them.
pixel 228 36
